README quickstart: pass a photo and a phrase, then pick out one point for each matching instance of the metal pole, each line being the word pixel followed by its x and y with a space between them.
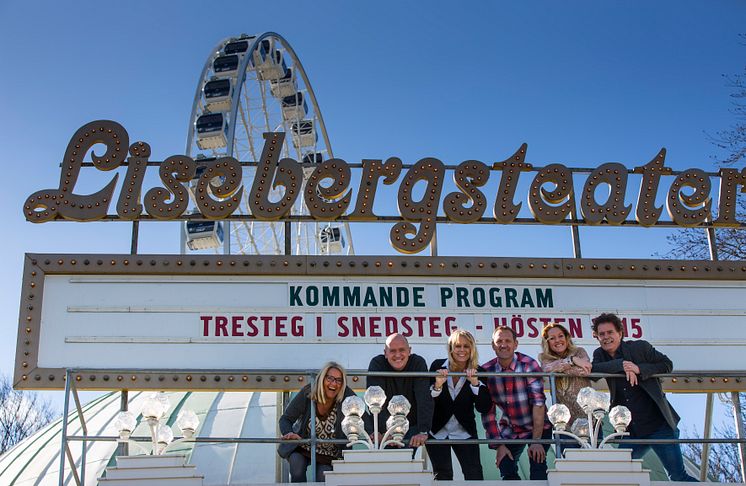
pixel 553 394
pixel 739 431
pixel 135 237
pixel 84 429
pixel 182 238
pixel 123 449
pixel 434 243
pixel 313 435
pixel 226 237
pixel 705 462
pixel 65 411
pixel 281 466
pixel 575 233
pixel 288 238
pixel 711 242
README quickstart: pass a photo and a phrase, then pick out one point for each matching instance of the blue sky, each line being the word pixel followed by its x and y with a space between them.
pixel 582 82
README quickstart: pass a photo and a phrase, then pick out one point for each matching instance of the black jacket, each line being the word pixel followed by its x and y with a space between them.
pixel 462 407
pixel 650 361
pixel 298 414
pixel 416 390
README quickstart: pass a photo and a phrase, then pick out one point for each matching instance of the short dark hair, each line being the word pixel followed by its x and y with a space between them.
pixel 504 328
pixel 610 318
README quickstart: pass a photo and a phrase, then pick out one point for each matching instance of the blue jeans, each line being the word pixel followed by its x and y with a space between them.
pixel 299 464
pixel 669 454
pixel 537 470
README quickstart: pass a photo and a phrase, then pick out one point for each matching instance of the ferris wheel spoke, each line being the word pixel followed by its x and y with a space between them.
pixel 258 84
pixel 245 122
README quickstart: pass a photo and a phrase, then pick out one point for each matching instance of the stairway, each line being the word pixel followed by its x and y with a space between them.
pixel 166 470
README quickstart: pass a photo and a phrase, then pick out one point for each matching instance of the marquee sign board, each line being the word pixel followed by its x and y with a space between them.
pixel 206 319
pixel 329 195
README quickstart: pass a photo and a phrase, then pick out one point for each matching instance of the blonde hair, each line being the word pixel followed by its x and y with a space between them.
pixel 317 390
pixel 545 349
pixel 466 335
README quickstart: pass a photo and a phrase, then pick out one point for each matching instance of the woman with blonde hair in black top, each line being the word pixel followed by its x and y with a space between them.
pixel 455 400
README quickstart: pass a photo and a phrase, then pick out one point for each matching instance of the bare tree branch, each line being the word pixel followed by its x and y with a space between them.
pixel 21 414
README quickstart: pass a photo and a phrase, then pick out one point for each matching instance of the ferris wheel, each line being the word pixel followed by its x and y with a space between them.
pixel 249 85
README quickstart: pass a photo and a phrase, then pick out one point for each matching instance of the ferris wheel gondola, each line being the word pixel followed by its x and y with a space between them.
pixel 250 85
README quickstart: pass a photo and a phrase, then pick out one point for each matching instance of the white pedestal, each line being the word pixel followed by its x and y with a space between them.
pixel 389 466
pixel 598 466
pixel 166 470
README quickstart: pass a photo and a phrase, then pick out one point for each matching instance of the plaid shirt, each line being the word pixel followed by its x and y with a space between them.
pixel 516 396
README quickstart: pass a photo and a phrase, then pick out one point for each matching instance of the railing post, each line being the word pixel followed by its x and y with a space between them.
pixel 739 432
pixel 123 448
pixel 65 411
pixel 281 468
pixel 553 395
pixel 705 461
pixel 313 433
pixel 84 429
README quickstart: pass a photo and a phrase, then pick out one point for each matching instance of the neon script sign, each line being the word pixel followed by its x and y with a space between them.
pixel 551 196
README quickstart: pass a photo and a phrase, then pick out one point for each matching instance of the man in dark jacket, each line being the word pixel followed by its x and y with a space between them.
pixel 397 356
pixel 652 416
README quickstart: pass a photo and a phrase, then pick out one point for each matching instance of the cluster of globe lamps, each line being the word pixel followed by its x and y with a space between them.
pixel 154 411
pixel 596 405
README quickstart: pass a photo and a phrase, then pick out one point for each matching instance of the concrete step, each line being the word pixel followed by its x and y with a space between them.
pixel 400 479
pixel 362 467
pixel 596 478
pixel 166 460
pixel 195 481
pixel 635 465
pixel 152 472
pixel 386 455
pixel 598 454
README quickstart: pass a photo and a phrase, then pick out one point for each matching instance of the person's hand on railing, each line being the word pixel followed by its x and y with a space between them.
pixel 471 375
pixel 291 436
pixel 418 440
pixel 582 363
pixel 440 379
pixel 631 370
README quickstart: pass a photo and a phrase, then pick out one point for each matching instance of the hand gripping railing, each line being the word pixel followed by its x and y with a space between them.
pixel 313 441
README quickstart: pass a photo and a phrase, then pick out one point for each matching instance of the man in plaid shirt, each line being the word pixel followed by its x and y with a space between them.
pixel 523 407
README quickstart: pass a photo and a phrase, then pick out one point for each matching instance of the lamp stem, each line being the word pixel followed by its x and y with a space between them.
pixel 595 432
pixel 591 440
pixel 615 434
pixel 375 430
pixel 583 443
pixel 153 424
pixel 367 442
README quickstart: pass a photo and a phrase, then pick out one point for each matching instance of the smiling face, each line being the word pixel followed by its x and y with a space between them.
pixel 504 345
pixel 461 352
pixel 397 352
pixel 333 381
pixel 609 337
pixel 557 341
